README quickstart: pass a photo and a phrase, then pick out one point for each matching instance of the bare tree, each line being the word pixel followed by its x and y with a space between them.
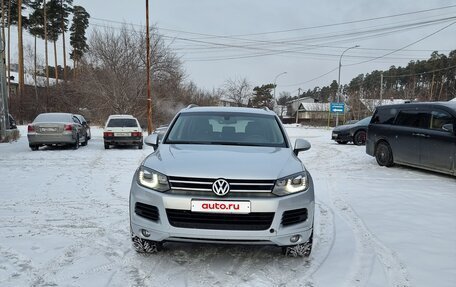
pixel 238 91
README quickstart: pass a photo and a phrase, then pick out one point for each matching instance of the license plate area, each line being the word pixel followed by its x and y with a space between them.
pixel 221 206
pixel 121 134
pixel 47 130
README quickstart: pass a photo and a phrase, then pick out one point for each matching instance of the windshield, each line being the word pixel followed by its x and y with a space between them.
pixel 364 122
pixel 122 123
pixel 226 129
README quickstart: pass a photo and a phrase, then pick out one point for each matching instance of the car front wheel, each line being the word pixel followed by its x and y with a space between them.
pixel 384 155
pixel 359 138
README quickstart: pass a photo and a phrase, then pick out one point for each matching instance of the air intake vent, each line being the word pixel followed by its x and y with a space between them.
pixel 294 216
pixel 147 211
pixel 201 220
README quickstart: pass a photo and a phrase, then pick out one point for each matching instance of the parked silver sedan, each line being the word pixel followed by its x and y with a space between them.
pixel 56 129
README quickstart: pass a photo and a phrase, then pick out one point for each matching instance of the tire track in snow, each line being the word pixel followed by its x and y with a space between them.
pixel 368 248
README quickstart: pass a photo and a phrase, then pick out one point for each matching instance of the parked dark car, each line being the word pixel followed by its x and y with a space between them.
pixel 161 131
pixel 421 135
pixel 355 133
pixel 85 124
pixel 12 122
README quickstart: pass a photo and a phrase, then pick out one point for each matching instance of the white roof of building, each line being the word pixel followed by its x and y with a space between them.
pixel 314 107
pixel 30 81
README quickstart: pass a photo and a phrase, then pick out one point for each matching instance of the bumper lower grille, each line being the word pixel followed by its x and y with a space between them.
pixel 294 216
pixel 218 221
pixel 147 211
pixel 205 185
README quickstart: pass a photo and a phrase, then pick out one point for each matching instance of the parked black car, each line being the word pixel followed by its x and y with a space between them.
pixel 12 122
pixel 355 133
pixel 85 123
pixel 421 135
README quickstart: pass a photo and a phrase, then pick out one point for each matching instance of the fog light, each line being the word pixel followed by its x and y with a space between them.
pixel 295 238
pixel 145 233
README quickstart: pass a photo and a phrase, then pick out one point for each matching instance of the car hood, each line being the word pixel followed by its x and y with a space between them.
pixel 343 128
pixel 223 161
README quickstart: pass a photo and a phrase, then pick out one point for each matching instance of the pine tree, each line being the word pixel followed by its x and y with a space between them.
pixel 78 39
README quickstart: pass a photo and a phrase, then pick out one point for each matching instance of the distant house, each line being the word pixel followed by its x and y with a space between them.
pixel 292 106
pixel 28 81
pixel 313 111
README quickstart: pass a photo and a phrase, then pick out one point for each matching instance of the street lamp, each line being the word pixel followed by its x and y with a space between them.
pixel 339 88
pixel 275 80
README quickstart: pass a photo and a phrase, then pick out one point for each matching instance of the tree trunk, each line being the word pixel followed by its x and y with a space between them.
pixel 64 48
pixel 46 54
pixel 56 71
pixel 21 58
pixel 9 47
pixel 3 22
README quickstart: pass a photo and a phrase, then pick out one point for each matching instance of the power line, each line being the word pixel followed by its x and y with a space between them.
pixel 294 29
pixel 406 46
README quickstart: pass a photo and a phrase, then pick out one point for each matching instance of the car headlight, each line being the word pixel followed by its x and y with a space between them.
pixel 152 179
pixel 291 184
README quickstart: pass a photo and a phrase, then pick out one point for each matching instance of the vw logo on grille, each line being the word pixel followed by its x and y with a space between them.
pixel 220 187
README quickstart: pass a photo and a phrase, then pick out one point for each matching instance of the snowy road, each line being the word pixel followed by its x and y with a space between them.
pixel 64 222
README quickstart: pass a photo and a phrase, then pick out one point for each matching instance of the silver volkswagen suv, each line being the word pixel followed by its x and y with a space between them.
pixel 223 175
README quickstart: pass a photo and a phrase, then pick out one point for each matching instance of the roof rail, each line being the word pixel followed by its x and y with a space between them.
pixel 265 108
pixel 191 106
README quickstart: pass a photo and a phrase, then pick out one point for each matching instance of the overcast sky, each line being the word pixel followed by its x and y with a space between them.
pixel 306 52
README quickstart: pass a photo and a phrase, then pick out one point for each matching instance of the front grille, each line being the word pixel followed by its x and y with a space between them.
pixel 204 185
pixel 201 220
pixel 294 216
pixel 147 211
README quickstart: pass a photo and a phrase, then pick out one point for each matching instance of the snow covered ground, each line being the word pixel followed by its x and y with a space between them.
pixel 64 222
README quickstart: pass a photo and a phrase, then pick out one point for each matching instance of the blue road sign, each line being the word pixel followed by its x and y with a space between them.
pixel 337 107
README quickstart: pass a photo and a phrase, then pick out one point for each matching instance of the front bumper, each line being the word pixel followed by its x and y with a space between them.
pixel 343 137
pixel 277 234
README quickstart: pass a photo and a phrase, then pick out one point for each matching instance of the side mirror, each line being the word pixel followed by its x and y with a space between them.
pixel 152 140
pixel 448 128
pixel 301 145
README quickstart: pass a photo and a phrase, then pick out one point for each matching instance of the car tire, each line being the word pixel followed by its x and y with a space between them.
pixel 384 155
pixel 145 246
pixel 76 144
pixel 140 146
pixel 360 138
pixel 86 141
pixel 34 147
pixel 299 250
pixel 342 142
pixel 106 146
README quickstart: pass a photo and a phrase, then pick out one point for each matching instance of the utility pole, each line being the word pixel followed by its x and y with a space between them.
pixel 299 92
pixel 381 89
pixel 339 87
pixel 149 99
pixel 4 119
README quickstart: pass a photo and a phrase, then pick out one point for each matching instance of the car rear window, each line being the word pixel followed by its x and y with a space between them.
pixel 122 123
pixel 53 118
pixel 227 129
